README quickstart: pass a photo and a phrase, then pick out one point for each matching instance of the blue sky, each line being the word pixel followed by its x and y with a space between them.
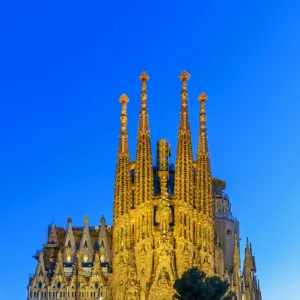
pixel 63 67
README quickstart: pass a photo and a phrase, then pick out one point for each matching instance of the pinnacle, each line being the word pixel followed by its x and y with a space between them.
pixel 124 98
pixel 144 76
pixel 202 97
pixel 184 76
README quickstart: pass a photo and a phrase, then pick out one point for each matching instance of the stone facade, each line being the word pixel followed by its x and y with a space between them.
pixel 166 220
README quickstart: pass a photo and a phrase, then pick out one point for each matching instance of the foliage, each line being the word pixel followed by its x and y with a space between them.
pixel 195 285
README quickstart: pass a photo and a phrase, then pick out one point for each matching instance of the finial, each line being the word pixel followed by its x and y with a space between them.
pixel 202 97
pixel 184 77
pixel 86 219
pixel 144 77
pixel 123 98
pixel 69 220
pixel 102 220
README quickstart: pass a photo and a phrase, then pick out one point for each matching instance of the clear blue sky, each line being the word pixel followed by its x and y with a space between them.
pixel 63 67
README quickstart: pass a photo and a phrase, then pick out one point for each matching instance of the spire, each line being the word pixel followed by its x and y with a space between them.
pixel 122 181
pixel 102 242
pixel 249 266
pixel 236 262
pixel 86 247
pixel 143 163
pixel 69 243
pixel 258 297
pixel 52 236
pixel 40 275
pixel 184 158
pixel 204 194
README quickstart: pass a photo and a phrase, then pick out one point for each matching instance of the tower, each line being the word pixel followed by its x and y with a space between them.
pixel 204 202
pixel 184 202
pixel 122 227
pixel 166 220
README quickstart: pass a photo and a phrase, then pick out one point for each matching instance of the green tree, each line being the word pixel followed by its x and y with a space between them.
pixel 195 285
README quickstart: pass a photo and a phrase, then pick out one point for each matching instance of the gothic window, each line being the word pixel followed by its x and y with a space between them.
pixel 40 285
pixel 69 244
pixel 96 285
pixel 85 244
pixel 59 285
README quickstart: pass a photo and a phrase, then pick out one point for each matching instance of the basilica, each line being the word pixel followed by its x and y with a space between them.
pixel 166 219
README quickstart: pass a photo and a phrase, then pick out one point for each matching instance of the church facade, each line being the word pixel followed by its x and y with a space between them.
pixel 166 219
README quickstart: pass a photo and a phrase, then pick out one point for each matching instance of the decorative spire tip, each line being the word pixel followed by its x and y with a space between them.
pixel 86 219
pixel 202 97
pixel 144 76
pixel 69 220
pixel 184 76
pixel 124 98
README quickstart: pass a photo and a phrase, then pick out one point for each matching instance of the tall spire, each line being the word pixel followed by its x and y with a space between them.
pixel 204 195
pixel 184 159
pixel 143 162
pixel 236 262
pixel 249 266
pixel 204 201
pixel 122 181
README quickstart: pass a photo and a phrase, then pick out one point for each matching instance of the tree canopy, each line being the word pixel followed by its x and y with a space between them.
pixel 195 285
